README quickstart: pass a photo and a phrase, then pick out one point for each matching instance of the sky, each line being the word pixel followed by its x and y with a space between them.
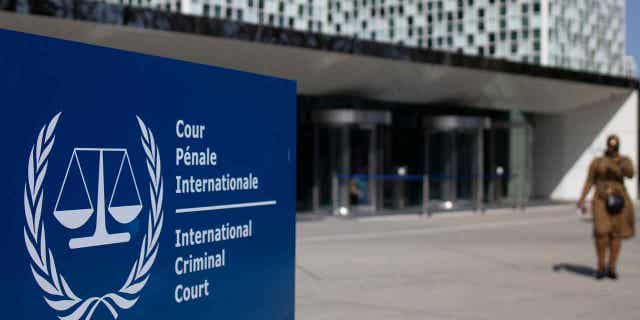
pixel 633 29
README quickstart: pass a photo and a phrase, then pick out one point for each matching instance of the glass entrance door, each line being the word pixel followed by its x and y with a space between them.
pixel 452 167
pixel 363 169
pixel 354 169
pixel 349 140
pixel 454 163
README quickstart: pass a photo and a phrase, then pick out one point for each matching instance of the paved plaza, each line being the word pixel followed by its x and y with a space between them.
pixel 501 265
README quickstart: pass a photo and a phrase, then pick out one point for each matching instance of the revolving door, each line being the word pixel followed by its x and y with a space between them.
pixel 454 162
pixel 347 151
pixel 474 162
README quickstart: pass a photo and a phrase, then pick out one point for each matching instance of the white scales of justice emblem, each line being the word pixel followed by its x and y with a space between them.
pixel 123 213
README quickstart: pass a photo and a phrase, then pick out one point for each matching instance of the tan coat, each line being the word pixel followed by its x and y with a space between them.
pixel 607 175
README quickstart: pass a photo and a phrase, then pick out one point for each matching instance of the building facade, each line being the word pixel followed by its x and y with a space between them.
pixel 584 35
pixel 386 127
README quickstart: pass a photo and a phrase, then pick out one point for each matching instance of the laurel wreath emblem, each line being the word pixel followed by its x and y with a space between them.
pixel 57 292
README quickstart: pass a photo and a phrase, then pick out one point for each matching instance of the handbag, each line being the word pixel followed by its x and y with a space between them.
pixel 614 204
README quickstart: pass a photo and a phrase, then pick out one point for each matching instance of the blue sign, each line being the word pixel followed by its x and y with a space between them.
pixel 138 187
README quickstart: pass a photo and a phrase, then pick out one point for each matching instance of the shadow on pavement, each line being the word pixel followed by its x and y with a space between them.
pixel 575 269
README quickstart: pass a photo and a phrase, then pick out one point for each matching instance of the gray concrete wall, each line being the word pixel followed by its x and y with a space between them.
pixel 566 143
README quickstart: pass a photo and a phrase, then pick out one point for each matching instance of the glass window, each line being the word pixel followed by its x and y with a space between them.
pixel 536 7
pixel 205 10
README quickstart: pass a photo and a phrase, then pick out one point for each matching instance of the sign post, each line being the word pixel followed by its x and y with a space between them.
pixel 138 187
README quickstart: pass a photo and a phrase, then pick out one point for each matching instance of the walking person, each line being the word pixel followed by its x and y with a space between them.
pixel 612 209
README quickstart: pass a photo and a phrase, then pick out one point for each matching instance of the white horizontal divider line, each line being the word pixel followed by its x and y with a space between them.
pixel 227 206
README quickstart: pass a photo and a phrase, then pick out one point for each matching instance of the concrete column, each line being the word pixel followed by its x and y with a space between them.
pixel 517 159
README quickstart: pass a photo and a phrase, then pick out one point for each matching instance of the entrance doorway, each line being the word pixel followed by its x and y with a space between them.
pixel 454 161
pixel 348 144
pixel 474 162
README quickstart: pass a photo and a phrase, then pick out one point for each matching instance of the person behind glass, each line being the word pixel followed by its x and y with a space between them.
pixel 612 210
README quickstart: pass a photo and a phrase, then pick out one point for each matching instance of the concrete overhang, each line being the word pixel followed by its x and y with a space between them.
pixel 330 73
